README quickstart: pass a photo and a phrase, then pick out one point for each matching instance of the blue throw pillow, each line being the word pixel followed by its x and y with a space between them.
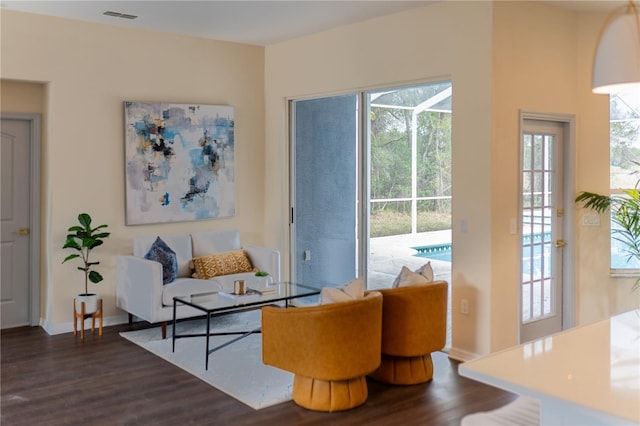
pixel 161 252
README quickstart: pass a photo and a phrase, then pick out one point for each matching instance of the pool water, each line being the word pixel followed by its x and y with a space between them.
pixel 619 258
pixel 435 252
pixel 531 265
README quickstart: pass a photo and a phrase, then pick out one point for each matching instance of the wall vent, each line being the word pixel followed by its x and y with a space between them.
pixel 119 15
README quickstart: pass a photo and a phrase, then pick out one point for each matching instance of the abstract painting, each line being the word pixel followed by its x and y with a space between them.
pixel 180 162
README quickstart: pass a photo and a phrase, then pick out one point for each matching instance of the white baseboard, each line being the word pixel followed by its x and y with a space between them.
pixel 462 355
pixel 67 327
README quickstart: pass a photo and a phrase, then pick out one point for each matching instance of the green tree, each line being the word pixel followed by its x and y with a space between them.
pixel 625 136
pixel 390 137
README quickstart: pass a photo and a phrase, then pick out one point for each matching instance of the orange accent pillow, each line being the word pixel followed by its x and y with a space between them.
pixel 213 265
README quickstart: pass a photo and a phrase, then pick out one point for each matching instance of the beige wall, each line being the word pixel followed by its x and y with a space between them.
pixel 89 71
pixel 501 57
pixel 542 59
pixel 445 40
pixel 599 294
pixel 534 69
pixel 22 97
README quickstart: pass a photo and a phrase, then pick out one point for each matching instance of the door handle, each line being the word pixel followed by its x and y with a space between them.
pixel 22 231
pixel 560 243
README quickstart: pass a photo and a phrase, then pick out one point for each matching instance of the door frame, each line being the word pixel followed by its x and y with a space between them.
pixel 568 122
pixel 34 121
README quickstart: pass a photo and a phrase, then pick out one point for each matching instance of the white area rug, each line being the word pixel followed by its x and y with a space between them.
pixel 236 370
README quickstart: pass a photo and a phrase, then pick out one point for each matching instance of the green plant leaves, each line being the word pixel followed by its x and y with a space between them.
pixel 71 256
pixel 597 202
pixel 625 215
pixel 84 239
pixel 95 277
pixel 85 220
pixel 71 243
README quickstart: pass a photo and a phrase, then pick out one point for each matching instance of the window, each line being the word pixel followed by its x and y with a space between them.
pixel 624 118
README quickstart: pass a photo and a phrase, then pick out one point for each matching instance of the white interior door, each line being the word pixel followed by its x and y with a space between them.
pixel 542 216
pixel 15 296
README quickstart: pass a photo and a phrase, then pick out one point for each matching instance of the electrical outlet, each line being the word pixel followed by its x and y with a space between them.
pixel 307 255
pixel 464 306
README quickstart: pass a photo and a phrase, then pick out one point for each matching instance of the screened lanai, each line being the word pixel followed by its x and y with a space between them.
pixel 410 181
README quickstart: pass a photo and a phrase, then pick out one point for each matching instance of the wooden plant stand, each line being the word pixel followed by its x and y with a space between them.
pixel 81 315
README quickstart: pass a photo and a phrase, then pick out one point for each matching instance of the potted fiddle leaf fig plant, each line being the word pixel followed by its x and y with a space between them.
pixel 82 239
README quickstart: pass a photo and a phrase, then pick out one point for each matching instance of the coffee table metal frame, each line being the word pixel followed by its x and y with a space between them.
pixel 214 305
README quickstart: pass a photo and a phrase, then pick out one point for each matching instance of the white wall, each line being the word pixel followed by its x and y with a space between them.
pixel 89 70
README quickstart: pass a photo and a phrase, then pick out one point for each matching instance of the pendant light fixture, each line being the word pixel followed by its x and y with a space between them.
pixel 617 60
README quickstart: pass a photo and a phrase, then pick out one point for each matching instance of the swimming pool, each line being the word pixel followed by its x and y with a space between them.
pixel 435 252
pixel 443 252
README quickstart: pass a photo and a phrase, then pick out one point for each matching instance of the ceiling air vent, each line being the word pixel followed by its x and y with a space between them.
pixel 119 15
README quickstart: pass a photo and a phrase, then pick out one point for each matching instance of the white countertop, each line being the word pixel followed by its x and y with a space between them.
pixel 589 372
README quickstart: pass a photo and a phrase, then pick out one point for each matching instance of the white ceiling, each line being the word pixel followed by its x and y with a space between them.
pixel 251 22
pixel 260 22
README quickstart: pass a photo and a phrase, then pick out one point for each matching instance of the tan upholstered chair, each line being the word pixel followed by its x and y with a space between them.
pixel 329 348
pixel 414 324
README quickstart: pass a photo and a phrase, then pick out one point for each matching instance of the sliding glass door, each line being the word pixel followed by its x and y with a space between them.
pixel 365 203
pixel 409 170
pixel 324 190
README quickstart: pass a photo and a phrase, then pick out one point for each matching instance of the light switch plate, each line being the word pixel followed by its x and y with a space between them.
pixel 591 219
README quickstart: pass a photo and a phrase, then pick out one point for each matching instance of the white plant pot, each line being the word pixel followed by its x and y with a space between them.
pixel 261 282
pixel 90 302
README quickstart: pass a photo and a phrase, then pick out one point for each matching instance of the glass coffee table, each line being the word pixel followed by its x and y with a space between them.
pixel 217 304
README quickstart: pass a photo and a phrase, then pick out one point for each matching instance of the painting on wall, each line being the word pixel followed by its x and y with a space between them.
pixel 180 162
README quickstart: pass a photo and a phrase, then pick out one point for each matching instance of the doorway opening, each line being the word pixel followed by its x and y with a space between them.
pixel 409 171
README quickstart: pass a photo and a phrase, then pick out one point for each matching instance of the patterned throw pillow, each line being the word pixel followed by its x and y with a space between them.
pixel 350 291
pixel 213 265
pixel 406 277
pixel 162 253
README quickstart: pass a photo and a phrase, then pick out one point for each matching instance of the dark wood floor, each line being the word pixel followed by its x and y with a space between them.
pixel 59 380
